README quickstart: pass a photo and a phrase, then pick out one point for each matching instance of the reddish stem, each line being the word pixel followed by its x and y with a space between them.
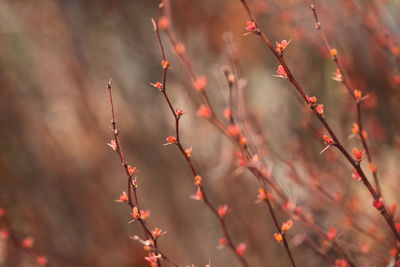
pixel 321 118
pixel 188 159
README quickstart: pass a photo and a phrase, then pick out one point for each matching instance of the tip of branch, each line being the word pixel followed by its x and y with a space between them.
pixel 154 24
pixel 109 84
pixel 132 221
pixel 325 149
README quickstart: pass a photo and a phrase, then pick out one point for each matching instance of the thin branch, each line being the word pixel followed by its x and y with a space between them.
pixel 177 115
pixel 131 184
pixel 356 99
pixel 384 212
pixel 259 174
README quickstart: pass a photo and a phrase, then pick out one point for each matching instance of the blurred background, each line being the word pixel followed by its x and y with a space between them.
pixel 59 179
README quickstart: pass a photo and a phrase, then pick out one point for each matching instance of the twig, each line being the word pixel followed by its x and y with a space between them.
pixel 353 93
pixel 383 210
pixel 26 244
pixel 279 56
pixel 259 174
pixel 177 115
pixel 129 172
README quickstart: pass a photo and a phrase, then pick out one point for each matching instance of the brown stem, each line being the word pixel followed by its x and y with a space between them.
pixel 321 118
pixel 285 243
pixel 270 181
pixel 247 155
pixel 203 94
pixel 257 173
pixel 121 154
pixel 157 251
pixel 350 90
pixel 188 159
pixel 16 240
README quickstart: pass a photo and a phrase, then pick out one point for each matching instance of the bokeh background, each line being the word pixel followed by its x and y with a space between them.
pixel 59 178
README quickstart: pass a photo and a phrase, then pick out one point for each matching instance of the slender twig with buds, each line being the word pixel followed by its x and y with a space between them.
pixel 26 244
pixel 240 140
pixel 284 71
pixel 233 133
pixel 356 96
pixel 133 203
pixel 201 195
